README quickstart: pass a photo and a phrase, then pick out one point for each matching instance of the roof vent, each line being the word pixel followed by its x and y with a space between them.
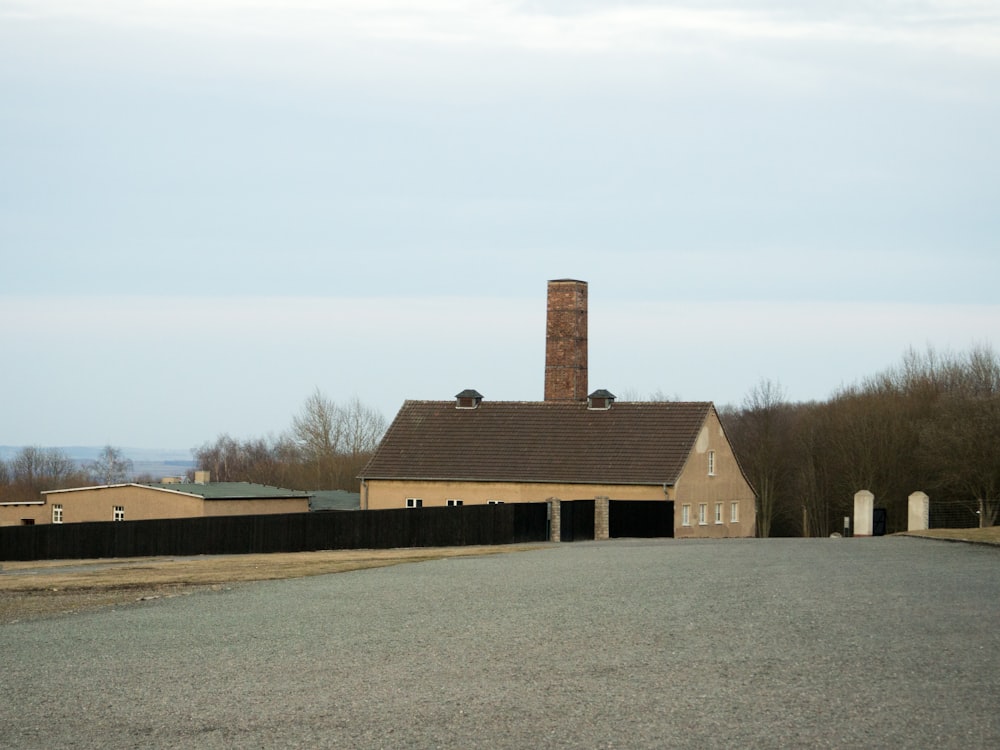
pixel 600 400
pixel 468 399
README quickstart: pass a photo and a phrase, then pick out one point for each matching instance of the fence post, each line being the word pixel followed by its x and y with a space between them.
pixel 918 512
pixel 602 521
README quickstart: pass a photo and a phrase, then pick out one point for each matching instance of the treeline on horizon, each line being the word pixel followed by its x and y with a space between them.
pixel 325 448
pixel 930 423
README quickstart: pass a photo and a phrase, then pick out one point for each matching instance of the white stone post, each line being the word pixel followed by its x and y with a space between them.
pixel 918 516
pixel 864 513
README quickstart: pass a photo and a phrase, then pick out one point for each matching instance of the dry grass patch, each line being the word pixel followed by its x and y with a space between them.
pixel 989 535
pixel 37 588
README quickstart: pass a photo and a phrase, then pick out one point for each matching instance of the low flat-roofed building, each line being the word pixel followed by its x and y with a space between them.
pixel 137 502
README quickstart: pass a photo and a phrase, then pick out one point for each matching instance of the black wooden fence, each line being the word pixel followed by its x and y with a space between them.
pixel 576 520
pixel 507 523
pixel 640 518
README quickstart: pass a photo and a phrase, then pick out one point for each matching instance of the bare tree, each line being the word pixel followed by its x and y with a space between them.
pixel 221 459
pixel 111 467
pixel 325 448
pixel 961 447
pixel 34 470
pixel 362 428
pixel 232 460
pixel 811 475
pixel 335 441
pixel 5 481
pixel 761 436
pixel 318 431
pixel 317 427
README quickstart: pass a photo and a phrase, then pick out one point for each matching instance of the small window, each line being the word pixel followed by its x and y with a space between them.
pixel 702 514
pixel 718 512
pixel 454 503
pixel 119 514
pixel 494 502
pixel 57 514
pixel 685 515
pixel 711 463
pixel 414 502
pixel 734 512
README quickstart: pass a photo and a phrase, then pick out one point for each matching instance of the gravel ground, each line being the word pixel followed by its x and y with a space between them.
pixel 889 642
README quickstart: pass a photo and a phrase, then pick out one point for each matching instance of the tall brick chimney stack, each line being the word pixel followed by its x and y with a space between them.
pixel 566 341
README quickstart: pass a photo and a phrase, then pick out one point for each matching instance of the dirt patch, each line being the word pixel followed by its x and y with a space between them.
pixel 989 535
pixel 53 587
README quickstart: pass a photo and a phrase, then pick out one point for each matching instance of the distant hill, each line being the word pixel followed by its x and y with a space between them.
pixel 156 462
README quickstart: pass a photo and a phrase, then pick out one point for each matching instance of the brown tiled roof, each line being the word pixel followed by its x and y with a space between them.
pixel 539 441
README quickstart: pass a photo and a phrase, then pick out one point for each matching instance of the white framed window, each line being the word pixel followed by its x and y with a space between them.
pixel 718 512
pixel 734 512
pixel 711 463
pixel 414 502
pixel 454 503
pixel 57 514
pixel 702 514
pixel 494 502
pixel 685 515
pixel 119 513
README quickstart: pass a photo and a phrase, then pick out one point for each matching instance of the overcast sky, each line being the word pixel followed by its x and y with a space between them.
pixel 209 209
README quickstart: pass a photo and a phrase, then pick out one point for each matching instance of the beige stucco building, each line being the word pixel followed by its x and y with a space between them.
pixel 445 453
pixel 571 446
pixel 137 502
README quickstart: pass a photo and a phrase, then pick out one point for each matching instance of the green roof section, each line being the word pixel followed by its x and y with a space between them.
pixel 335 500
pixel 229 490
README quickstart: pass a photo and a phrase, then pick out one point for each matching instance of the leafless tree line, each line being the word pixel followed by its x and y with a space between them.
pixel 931 423
pixel 34 470
pixel 325 448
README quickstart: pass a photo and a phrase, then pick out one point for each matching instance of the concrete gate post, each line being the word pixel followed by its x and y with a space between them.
pixel 864 513
pixel 602 518
pixel 919 511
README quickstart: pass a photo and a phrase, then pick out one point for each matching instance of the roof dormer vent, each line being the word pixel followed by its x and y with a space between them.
pixel 468 399
pixel 600 400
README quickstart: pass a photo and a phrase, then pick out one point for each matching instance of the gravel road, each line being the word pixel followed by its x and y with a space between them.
pixel 823 643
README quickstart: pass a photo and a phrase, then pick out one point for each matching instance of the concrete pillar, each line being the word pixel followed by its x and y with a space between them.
pixel 918 516
pixel 602 518
pixel 864 513
pixel 555 518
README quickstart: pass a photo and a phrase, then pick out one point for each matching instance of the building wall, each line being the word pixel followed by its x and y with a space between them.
pixel 393 494
pixel 726 485
pixel 696 487
pixel 141 503
pixel 14 514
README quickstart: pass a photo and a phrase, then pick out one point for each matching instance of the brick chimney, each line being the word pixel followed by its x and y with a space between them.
pixel 566 341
